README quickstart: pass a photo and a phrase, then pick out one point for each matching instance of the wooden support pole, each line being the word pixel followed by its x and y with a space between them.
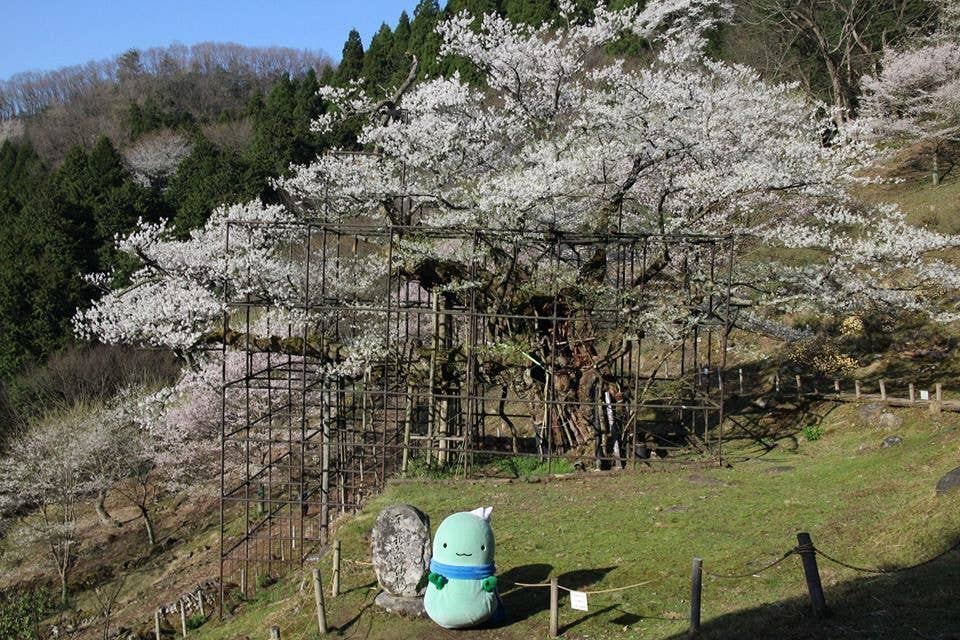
pixel 203 613
pixel 740 372
pixel 797 378
pixel 183 618
pixel 335 581
pixel 856 389
pixel 883 391
pixel 913 394
pixel 156 624
pixel 811 574
pixel 407 425
pixel 243 578
pixel 318 600
pixel 836 387
pixel 554 612
pixel 696 589
pixel 939 392
pixel 274 632
pixel 776 382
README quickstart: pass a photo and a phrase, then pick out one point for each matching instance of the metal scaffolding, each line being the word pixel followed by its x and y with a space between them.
pixel 489 344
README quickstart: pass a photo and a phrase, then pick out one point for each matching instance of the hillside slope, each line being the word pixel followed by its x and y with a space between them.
pixel 867 504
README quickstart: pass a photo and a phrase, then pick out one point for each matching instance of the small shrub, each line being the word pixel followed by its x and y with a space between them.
pixel 22 610
pixel 529 466
pixel 196 621
pixel 812 432
pixel 420 468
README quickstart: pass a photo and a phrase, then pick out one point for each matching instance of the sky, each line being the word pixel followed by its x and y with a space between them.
pixel 39 35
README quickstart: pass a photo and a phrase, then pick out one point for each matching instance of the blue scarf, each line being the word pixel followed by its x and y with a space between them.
pixel 462 572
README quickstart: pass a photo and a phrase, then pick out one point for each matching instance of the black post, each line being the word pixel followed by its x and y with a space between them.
pixel 696 588
pixel 812 574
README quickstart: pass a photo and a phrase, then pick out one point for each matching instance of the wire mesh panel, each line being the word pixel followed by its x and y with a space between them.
pixel 402 348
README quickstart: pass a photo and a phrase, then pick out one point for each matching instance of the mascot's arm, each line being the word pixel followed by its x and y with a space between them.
pixel 437 580
pixel 489 583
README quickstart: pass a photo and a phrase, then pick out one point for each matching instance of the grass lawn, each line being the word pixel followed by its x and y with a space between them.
pixel 864 503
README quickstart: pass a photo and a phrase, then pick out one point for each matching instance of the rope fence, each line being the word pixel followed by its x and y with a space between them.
pixel 804 548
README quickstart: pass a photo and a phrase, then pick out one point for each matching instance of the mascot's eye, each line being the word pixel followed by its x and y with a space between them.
pixel 482 547
pixel 444 545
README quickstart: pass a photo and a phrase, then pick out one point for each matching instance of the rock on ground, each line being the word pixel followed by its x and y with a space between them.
pixel 949 482
pixel 400 548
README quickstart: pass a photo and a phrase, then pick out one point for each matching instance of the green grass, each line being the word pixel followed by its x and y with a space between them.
pixel 866 504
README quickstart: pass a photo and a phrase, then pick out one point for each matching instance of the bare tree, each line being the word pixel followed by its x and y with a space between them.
pixel 830 44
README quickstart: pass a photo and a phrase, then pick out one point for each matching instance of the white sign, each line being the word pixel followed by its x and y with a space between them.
pixel 924 394
pixel 578 600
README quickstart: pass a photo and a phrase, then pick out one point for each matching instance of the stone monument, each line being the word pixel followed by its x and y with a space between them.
pixel 400 550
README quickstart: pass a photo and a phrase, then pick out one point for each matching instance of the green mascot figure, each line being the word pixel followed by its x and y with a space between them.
pixel 462 588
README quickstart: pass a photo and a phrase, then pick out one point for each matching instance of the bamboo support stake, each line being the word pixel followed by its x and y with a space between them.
pixel 318 600
pixel 335 581
pixel 554 613
pixel 183 618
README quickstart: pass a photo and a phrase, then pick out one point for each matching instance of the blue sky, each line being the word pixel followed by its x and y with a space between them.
pixel 46 34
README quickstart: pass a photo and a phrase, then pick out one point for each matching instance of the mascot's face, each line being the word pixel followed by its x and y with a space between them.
pixel 464 539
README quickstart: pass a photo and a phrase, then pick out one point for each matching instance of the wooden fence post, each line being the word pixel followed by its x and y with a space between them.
pixel 776 382
pixel 913 394
pixel 243 577
pixel 335 581
pixel 811 574
pixel 554 613
pixel 696 589
pixel 740 371
pixel 318 600
pixel 939 392
pixel 156 624
pixel 836 387
pixel 856 389
pixel 183 618
pixel 883 391
pixel 798 385
pixel 200 602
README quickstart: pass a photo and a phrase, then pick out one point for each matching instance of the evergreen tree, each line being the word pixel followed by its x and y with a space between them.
pixel 351 61
pixel 424 39
pixel 380 63
pixel 207 178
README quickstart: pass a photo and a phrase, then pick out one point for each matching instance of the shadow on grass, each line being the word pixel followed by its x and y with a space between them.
pixel 921 604
pixel 524 602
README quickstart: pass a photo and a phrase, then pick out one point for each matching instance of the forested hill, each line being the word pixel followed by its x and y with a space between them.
pixel 172 133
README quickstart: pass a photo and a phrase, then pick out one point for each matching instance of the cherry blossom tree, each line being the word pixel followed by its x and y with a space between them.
pixel 916 95
pixel 561 137
pixel 153 159
pixel 121 454
pixel 44 471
